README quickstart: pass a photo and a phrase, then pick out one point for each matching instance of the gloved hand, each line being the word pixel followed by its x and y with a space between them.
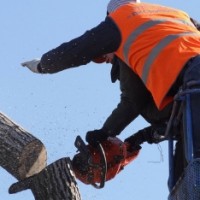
pixel 96 136
pixel 154 134
pixel 32 65
pixel 150 134
pixel 133 142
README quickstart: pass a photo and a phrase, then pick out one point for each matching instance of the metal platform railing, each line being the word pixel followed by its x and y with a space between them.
pixel 188 186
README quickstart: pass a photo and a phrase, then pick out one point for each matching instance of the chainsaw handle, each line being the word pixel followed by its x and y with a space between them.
pixel 82 147
pixel 104 164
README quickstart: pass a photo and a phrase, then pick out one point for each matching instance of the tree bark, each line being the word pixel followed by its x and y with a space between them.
pixel 21 154
pixel 55 182
pixel 24 157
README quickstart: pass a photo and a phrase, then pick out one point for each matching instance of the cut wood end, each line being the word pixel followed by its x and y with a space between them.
pixel 33 159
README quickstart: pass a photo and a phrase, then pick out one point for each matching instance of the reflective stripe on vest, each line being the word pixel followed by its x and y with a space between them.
pixel 156 50
pixel 130 40
pixel 156 43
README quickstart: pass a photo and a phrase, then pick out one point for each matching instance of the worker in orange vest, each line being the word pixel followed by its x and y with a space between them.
pixel 155 51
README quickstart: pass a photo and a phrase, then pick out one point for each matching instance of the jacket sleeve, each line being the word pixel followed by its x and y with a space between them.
pixel 135 100
pixel 104 38
pixel 134 97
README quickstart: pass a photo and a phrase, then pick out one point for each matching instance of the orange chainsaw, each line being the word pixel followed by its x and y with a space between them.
pixel 91 165
pixel 95 166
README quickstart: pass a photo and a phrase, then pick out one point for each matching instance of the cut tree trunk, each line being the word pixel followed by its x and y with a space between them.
pixel 55 182
pixel 24 157
pixel 21 154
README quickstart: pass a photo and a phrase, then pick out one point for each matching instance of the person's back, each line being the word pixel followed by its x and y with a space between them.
pixel 157 42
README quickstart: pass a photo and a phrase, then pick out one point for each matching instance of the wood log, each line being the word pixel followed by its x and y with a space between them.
pixel 55 182
pixel 21 154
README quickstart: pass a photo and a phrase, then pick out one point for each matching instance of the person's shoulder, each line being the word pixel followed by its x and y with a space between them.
pixel 109 22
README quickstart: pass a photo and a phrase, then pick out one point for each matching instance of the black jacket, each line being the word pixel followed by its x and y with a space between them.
pixel 105 38
pixel 135 100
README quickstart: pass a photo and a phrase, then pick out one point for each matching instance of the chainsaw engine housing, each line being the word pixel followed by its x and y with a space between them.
pixel 89 165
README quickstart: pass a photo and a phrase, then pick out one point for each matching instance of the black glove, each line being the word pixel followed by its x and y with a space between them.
pixel 56 181
pixel 134 143
pixel 150 134
pixel 96 136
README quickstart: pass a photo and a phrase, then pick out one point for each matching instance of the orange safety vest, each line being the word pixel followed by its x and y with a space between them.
pixel 157 42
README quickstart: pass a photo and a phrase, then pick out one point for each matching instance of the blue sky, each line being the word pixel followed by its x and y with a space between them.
pixel 56 108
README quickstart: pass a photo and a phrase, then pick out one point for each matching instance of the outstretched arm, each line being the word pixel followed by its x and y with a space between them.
pixel 102 39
